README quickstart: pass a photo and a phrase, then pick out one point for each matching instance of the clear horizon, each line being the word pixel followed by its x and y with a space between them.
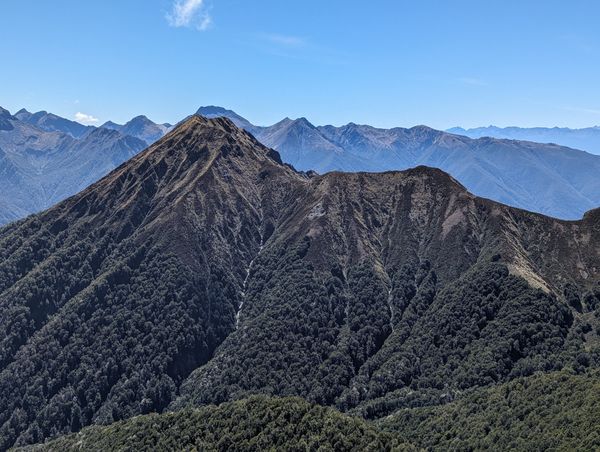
pixel 396 64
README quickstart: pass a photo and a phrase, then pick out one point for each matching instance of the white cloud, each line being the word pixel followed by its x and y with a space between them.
pixel 189 13
pixel 85 119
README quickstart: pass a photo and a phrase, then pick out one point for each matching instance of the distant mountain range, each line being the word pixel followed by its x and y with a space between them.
pixel 45 159
pixel 50 122
pixel 140 127
pixel 586 139
pixel 546 178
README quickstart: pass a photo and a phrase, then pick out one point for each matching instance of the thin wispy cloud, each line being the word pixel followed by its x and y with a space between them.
pixel 189 13
pixel 85 118
pixel 297 48
pixel 472 81
pixel 285 40
pixel 592 111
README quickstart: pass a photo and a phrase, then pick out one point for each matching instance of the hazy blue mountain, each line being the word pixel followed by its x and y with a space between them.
pixel 111 125
pixel 140 127
pixel 586 139
pixel 212 111
pixel 546 178
pixel 38 168
pixel 53 123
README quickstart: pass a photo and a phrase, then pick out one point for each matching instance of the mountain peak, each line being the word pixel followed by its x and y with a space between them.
pixel 305 122
pixel 140 119
pixel 199 122
pixel 5 114
pixel 111 125
pixel 221 137
pixel 213 111
pixel 23 114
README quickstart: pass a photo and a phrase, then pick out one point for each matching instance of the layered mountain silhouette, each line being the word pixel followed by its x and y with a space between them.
pixel 206 270
pixel 41 162
pixel 140 127
pixel 586 139
pixel 546 178
pixel 50 122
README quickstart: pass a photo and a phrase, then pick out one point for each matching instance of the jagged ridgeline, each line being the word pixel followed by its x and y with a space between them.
pixel 204 270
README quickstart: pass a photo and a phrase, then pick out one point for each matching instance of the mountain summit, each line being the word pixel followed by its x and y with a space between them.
pixel 204 270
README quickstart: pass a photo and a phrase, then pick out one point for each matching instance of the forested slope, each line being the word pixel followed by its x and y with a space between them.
pixel 258 423
pixel 557 411
pixel 109 300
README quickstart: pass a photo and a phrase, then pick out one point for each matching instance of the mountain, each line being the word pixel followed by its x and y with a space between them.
pixel 111 125
pixel 204 270
pixel 140 127
pixel 513 172
pixel 40 168
pixel 212 111
pixel 587 139
pixel 516 173
pixel 303 146
pixel 50 122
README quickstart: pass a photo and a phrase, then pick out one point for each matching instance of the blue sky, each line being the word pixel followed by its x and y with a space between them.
pixel 383 62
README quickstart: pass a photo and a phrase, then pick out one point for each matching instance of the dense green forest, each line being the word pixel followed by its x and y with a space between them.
pixel 125 345
pixel 555 411
pixel 254 424
pixel 334 340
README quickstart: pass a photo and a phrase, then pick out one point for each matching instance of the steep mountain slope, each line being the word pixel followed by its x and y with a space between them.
pixel 204 270
pixel 255 424
pixel 516 173
pixel 111 298
pixel 40 168
pixel 304 147
pixel 386 290
pixel 50 122
pixel 586 139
